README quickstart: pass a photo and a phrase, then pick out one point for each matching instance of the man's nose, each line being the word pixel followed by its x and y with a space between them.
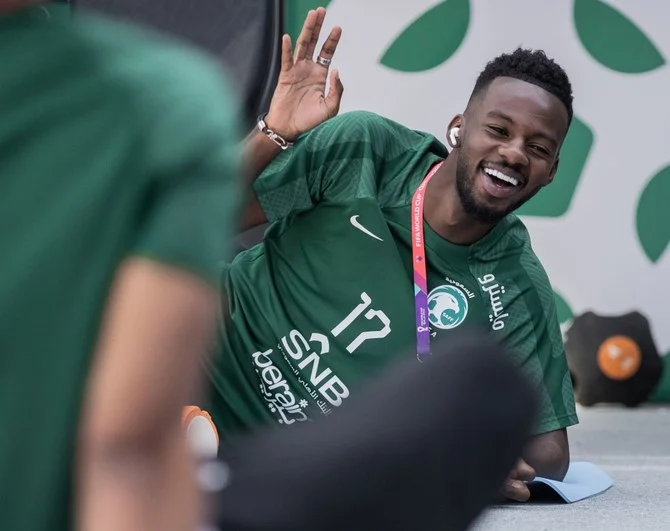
pixel 514 153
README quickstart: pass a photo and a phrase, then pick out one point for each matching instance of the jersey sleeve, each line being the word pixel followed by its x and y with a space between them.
pixel 335 161
pixel 190 148
pixel 531 331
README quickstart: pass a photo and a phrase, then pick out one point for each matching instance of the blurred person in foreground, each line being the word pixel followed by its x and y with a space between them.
pixel 422 447
pixel 383 240
pixel 119 188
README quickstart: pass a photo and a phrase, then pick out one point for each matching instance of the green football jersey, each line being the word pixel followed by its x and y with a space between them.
pixel 326 301
pixel 112 144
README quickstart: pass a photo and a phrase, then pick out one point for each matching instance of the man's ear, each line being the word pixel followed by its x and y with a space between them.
pixel 456 121
pixel 454 131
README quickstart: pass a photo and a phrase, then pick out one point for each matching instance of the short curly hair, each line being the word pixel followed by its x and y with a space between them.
pixel 531 66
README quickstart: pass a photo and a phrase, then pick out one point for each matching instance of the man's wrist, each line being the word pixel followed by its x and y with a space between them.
pixel 279 128
pixel 273 135
pixel 263 141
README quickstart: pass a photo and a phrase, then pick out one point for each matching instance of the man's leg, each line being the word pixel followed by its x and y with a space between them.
pixel 425 446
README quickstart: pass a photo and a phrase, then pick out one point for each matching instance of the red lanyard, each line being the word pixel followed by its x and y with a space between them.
pixel 419 263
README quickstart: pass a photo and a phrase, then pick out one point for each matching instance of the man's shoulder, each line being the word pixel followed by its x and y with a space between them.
pixel 509 237
pixel 174 97
pixel 127 46
pixel 528 259
pixel 369 127
pixel 510 245
pixel 155 72
pixel 361 119
pixel 514 228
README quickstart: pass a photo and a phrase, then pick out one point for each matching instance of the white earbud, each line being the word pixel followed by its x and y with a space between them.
pixel 453 136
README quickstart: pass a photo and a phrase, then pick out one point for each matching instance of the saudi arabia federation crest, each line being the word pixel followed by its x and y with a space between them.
pixel 447 307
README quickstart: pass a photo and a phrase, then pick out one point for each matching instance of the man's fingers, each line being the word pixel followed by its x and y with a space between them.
pixel 335 92
pixel 316 32
pixel 514 487
pixel 516 490
pixel 524 471
pixel 305 37
pixel 286 53
pixel 330 46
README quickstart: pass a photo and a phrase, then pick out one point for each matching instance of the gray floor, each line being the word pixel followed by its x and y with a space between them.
pixel 633 447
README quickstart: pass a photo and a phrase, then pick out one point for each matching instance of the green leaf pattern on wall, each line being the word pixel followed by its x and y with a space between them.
pixel 614 40
pixel 653 215
pixel 431 39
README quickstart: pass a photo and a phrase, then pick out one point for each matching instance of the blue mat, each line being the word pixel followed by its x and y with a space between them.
pixel 583 480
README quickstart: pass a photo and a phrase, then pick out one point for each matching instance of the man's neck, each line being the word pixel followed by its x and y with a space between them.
pixel 443 210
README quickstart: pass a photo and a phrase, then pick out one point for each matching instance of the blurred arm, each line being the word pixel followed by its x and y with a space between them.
pixel 134 470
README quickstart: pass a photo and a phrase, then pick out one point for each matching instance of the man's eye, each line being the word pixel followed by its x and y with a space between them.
pixel 541 149
pixel 498 130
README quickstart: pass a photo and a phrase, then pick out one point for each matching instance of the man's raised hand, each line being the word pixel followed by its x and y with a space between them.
pixel 300 102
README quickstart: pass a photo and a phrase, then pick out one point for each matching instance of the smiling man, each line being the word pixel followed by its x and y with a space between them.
pixel 382 240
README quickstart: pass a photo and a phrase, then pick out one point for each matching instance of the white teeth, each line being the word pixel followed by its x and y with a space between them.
pixel 500 175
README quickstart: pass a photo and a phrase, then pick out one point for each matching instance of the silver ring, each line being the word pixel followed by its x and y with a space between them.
pixel 323 61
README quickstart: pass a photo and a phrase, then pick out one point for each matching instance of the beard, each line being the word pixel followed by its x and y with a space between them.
pixel 472 206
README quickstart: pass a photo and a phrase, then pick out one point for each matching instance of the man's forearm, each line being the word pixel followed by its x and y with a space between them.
pixel 133 466
pixel 549 456
pixel 135 489
pixel 259 151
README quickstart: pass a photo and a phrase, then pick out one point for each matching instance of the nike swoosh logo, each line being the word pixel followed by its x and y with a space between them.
pixel 355 223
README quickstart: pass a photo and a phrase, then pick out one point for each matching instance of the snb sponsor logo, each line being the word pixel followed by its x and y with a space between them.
pixel 447 307
pixel 276 391
pixel 304 362
pixel 318 381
